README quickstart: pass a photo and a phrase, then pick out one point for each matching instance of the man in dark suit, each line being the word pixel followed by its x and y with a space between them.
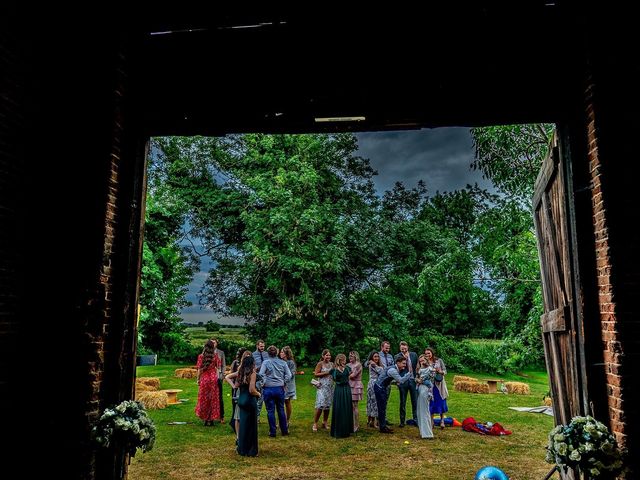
pixel 410 386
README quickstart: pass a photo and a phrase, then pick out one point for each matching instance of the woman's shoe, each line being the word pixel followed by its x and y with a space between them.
pixel 324 425
pixel 314 427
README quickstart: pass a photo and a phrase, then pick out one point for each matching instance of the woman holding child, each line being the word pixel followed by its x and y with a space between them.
pixel 424 380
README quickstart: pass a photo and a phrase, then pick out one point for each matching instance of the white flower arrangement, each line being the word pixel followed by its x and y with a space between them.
pixel 127 424
pixel 585 444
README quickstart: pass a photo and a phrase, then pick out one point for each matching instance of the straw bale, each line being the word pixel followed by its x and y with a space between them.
pixel 152 400
pixel 186 372
pixel 462 378
pixel 547 401
pixel 518 388
pixel 141 387
pixel 471 387
pixel 151 381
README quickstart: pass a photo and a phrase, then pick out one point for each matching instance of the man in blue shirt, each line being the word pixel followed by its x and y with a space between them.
pixel 386 357
pixel 380 389
pixel 276 373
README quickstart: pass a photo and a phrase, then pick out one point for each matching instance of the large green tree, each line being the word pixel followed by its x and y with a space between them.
pixel 303 248
pixel 511 156
pixel 167 267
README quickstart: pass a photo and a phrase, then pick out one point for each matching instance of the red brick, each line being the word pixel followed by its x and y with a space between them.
pixel 614 380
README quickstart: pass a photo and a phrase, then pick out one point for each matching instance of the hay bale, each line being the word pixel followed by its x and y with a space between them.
pixel 152 400
pixel 151 381
pixel 517 388
pixel 471 387
pixel 186 372
pixel 141 387
pixel 462 378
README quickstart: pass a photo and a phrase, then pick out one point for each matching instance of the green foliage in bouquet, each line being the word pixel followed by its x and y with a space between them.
pixel 585 444
pixel 127 424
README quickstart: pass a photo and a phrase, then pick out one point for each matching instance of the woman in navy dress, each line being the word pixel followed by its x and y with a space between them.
pixel 438 404
pixel 248 406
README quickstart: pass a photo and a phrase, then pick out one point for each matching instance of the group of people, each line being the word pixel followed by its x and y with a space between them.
pixel 340 388
pixel 255 378
pixel 267 376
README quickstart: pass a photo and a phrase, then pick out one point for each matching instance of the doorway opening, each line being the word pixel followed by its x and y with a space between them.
pixel 303 240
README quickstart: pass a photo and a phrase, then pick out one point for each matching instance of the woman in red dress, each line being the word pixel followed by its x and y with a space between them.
pixel 208 407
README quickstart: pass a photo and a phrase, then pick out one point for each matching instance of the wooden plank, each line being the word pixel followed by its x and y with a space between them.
pixel 554 321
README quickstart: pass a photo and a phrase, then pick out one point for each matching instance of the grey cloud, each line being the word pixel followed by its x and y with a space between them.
pixel 440 157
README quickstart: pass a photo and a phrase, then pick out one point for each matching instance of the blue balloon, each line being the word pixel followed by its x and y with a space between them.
pixel 490 473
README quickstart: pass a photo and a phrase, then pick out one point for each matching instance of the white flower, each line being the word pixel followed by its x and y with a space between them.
pixel 561 448
pixel 586 444
pixel 129 423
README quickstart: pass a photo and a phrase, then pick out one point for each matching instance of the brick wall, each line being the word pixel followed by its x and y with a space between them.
pixel 614 172
pixel 70 206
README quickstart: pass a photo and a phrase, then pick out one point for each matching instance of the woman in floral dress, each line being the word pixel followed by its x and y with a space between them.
pixel 290 387
pixel 355 383
pixel 375 369
pixel 208 406
pixel 324 395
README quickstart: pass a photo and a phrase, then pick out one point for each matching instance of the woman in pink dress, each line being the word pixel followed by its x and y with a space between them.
pixel 208 406
pixel 355 382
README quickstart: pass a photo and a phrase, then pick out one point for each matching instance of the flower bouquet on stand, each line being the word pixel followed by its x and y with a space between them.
pixel 586 445
pixel 128 425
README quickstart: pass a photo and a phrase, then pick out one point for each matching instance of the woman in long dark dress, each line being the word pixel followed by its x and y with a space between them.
pixel 342 409
pixel 248 405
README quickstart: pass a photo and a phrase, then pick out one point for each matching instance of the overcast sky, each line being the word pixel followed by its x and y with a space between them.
pixel 441 157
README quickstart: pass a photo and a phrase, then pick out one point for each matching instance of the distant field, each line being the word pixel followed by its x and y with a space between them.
pixel 199 335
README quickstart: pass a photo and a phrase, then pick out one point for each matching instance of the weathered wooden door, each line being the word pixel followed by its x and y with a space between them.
pixel 561 329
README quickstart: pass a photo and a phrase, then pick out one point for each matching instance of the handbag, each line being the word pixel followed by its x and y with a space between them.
pixel 438 377
pixel 315 382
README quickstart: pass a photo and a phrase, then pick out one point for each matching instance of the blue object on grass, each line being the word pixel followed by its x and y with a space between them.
pixel 448 421
pixel 490 473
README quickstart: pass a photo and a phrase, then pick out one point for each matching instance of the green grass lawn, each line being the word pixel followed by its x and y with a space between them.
pixel 193 451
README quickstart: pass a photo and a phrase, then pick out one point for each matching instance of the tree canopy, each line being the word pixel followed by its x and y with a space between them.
pixel 305 250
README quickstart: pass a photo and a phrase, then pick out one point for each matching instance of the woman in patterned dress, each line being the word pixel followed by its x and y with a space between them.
pixel 375 369
pixel 324 395
pixel 208 406
pixel 290 387
pixel 355 382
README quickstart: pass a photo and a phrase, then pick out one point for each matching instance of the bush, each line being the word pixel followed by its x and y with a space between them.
pixel 212 326
pixel 177 350
pixel 230 347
